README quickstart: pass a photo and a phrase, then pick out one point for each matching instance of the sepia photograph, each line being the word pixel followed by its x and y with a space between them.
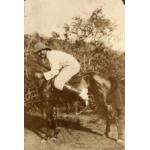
pixel 74 74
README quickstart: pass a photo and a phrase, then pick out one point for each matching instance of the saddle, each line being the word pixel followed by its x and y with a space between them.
pixel 75 79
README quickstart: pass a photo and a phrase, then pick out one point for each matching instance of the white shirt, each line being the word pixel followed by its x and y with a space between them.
pixel 57 60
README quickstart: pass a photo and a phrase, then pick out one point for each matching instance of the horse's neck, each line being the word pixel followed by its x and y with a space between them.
pixel 102 82
pixel 114 87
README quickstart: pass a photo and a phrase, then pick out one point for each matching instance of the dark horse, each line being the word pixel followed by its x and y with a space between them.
pixel 106 93
pixel 107 96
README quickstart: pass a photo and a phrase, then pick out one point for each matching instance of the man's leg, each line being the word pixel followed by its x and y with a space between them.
pixel 71 89
pixel 64 76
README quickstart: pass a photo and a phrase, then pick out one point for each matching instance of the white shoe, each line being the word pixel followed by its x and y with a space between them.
pixel 120 141
pixel 43 141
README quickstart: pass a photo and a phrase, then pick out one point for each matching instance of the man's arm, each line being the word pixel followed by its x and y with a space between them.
pixel 50 74
pixel 47 75
pixel 54 64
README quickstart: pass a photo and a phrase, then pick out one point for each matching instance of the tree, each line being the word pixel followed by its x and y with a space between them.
pixel 95 28
pixel 55 35
pixel 88 34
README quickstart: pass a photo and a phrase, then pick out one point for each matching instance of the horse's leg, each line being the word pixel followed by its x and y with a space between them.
pixel 68 108
pixel 51 122
pixel 42 110
pixel 107 129
pixel 54 120
pixel 43 113
pixel 76 108
pixel 108 121
pixel 120 126
pixel 48 121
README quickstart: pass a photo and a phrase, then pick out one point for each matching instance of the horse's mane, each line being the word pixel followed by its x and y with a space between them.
pixel 114 83
pixel 87 74
pixel 113 80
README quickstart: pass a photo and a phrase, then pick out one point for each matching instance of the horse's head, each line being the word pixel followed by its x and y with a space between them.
pixel 87 79
pixel 98 87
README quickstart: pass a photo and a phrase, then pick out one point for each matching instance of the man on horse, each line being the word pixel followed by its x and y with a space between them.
pixel 63 67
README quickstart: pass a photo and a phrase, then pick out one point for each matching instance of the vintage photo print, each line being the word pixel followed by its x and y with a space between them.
pixel 74 75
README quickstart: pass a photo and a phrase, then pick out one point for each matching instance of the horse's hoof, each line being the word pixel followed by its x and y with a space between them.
pixel 53 138
pixel 43 141
pixel 120 141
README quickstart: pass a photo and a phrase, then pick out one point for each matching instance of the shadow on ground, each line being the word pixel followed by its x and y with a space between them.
pixel 37 125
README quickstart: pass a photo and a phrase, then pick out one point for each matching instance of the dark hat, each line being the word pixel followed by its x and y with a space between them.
pixel 40 46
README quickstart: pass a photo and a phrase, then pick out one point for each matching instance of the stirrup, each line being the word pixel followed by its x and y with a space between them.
pixel 71 89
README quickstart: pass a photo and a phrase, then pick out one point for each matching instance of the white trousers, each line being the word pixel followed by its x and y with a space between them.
pixel 65 75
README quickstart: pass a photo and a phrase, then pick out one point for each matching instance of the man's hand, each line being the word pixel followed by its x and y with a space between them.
pixel 39 75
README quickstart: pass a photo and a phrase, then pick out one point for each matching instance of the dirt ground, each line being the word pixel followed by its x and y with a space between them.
pixel 88 135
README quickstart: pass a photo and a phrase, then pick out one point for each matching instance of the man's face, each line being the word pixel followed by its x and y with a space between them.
pixel 42 54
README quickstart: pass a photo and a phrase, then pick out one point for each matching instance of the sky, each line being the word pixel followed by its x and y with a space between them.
pixel 45 16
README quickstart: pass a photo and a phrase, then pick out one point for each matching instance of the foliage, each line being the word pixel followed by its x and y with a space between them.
pixel 96 28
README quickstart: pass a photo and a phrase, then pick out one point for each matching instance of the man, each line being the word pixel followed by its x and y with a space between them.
pixel 63 67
